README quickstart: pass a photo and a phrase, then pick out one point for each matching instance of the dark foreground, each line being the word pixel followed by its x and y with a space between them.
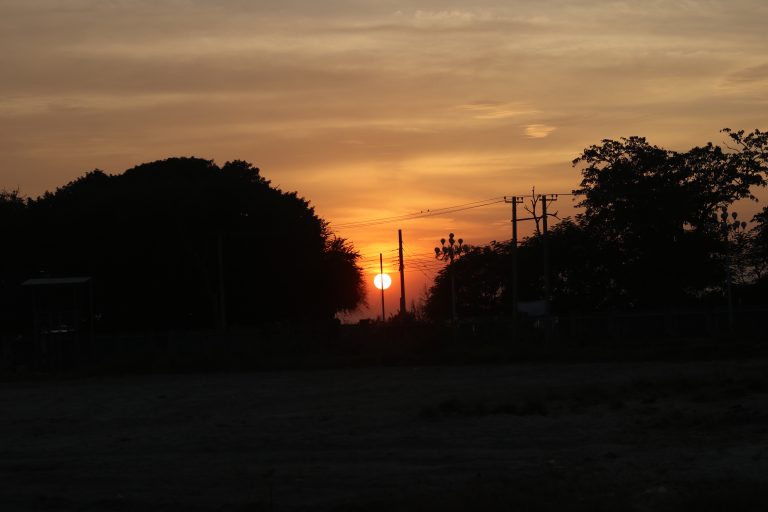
pixel 628 436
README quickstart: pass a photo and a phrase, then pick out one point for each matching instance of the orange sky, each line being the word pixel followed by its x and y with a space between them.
pixel 372 109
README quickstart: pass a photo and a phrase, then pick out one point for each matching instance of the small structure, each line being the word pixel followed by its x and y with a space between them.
pixel 62 311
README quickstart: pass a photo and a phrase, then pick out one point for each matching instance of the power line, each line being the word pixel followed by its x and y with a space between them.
pixel 416 259
pixel 382 251
pixel 421 262
pixel 420 214
pixel 433 212
pixel 372 258
pixel 420 269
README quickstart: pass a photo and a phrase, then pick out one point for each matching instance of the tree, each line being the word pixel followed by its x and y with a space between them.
pixel 750 150
pixel 757 251
pixel 170 242
pixel 655 212
pixel 15 232
pixel 750 246
pixel 476 281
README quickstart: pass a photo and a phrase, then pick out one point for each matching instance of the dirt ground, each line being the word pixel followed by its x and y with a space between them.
pixel 639 436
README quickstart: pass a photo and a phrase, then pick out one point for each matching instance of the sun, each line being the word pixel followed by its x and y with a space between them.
pixel 382 281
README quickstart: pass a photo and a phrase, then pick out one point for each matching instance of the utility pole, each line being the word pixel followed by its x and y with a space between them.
pixel 545 258
pixel 515 201
pixel 545 200
pixel 513 252
pixel 547 280
pixel 381 274
pixel 402 273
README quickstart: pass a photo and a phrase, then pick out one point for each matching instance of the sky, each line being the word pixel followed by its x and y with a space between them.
pixel 373 109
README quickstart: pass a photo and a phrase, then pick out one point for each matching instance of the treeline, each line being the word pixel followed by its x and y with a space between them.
pixel 178 243
pixel 658 229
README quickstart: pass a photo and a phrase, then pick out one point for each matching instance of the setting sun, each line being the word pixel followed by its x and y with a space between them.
pixel 377 281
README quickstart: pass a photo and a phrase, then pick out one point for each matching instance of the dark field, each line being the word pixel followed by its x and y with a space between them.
pixel 629 436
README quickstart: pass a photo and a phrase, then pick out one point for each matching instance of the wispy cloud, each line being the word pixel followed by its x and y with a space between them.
pixel 494 110
pixel 748 75
pixel 538 131
pixel 444 18
pixel 450 17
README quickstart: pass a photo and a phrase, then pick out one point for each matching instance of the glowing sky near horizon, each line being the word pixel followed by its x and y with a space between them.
pixel 373 108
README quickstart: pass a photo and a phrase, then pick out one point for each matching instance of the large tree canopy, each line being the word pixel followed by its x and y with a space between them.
pixel 650 234
pixel 656 214
pixel 169 243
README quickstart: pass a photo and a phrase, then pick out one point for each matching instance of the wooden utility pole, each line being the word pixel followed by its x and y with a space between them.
pixel 402 273
pixel 545 257
pixel 513 253
pixel 549 331
pixel 381 282
pixel 545 200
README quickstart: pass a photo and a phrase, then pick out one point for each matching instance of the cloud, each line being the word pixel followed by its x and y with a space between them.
pixel 538 131
pixel 493 110
pixel 454 17
pixel 748 75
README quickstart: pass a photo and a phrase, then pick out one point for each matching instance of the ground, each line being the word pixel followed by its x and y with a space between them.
pixel 608 436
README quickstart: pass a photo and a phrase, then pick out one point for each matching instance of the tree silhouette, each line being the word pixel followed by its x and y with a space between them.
pixel 478 279
pixel 654 210
pixel 482 276
pixel 14 224
pixel 169 242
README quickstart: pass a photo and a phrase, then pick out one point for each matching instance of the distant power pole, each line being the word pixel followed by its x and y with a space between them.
pixel 544 218
pixel 513 250
pixel 402 272
pixel 545 243
pixel 549 332
pixel 381 277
